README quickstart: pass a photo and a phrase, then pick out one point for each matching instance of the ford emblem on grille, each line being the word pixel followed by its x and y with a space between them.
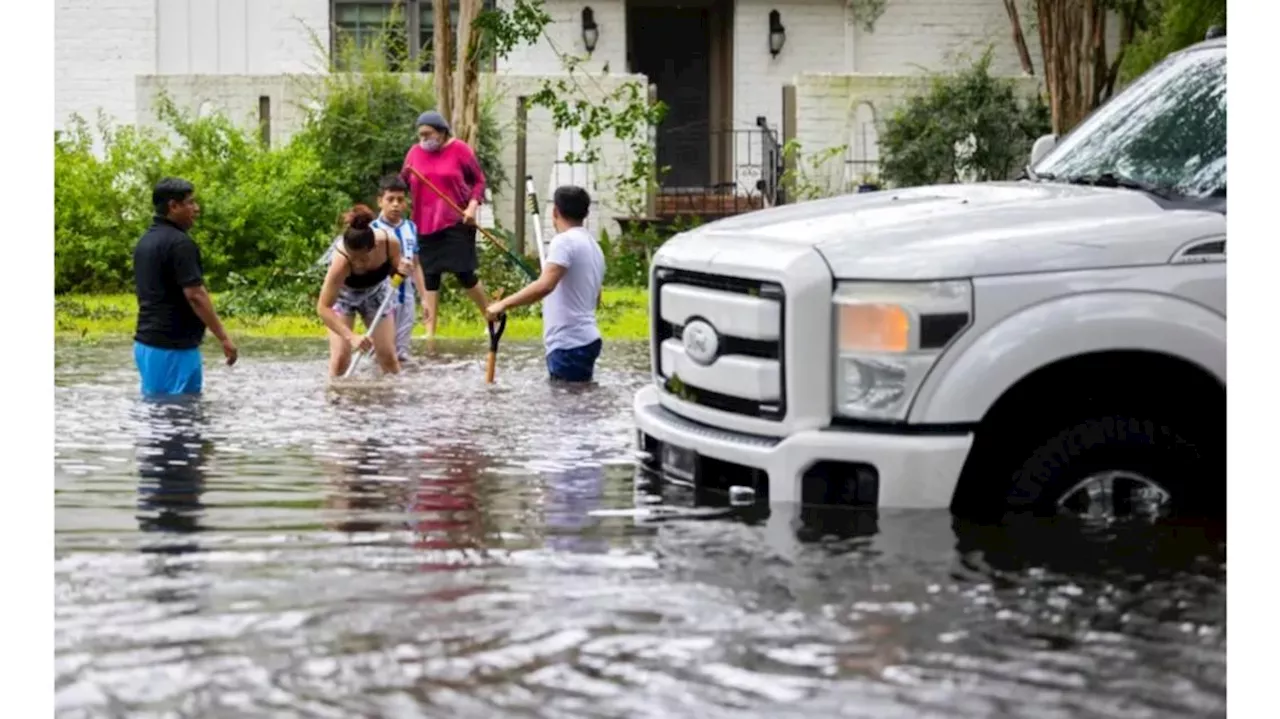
pixel 701 343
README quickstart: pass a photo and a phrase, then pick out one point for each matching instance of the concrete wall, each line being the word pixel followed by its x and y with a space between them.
pixel 236 96
pixel 565 35
pixel 936 35
pixel 102 46
pixel 241 37
pixel 844 110
pixel 99 47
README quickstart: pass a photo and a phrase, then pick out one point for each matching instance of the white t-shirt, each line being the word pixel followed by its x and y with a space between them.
pixel 569 312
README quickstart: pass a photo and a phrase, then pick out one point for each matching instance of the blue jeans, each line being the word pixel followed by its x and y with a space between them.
pixel 575 364
pixel 168 372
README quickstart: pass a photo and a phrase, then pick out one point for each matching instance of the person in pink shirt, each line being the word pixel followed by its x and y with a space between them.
pixel 446 241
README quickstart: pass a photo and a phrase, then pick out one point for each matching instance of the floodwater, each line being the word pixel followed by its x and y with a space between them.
pixel 437 547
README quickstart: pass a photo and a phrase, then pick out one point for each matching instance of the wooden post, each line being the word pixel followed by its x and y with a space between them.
pixel 651 193
pixel 522 170
pixel 788 135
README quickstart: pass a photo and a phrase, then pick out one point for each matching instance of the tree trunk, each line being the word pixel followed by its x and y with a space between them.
pixel 1073 47
pixel 1069 42
pixel 1127 31
pixel 1045 20
pixel 466 89
pixel 1019 40
pixel 1098 46
pixel 442 56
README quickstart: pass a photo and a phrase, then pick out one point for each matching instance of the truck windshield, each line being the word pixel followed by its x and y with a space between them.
pixel 1167 131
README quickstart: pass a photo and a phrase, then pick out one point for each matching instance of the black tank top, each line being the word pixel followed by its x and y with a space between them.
pixel 365 280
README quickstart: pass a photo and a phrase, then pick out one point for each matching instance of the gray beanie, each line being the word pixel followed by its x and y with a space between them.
pixel 431 118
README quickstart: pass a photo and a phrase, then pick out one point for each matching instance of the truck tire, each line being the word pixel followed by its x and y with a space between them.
pixel 1115 467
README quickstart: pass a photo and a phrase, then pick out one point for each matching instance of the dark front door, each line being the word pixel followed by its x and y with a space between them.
pixel 672 47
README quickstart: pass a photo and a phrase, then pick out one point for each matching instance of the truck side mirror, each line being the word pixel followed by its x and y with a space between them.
pixel 1042 146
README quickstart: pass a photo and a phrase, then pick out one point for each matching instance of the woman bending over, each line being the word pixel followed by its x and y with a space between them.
pixel 357 282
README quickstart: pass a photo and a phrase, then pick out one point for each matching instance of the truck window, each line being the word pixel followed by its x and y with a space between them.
pixel 1168 129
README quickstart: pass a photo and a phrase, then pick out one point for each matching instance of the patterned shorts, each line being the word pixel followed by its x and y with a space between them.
pixel 364 302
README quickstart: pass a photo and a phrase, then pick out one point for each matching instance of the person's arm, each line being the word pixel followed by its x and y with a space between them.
pixel 534 291
pixel 333 280
pixel 405 173
pixel 202 304
pixel 415 275
pixel 400 263
pixel 475 177
pixel 186 269
pixel 558 262
pixel 419 280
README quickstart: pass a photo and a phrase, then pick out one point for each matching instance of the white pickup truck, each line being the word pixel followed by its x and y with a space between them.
pixel 1051 345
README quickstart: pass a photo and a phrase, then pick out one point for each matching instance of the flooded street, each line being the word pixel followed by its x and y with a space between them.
pixel 432 546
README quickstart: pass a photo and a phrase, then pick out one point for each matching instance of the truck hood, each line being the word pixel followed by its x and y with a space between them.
pixel 972 230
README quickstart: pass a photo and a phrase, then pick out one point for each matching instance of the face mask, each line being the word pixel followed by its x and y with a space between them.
pixel 430 145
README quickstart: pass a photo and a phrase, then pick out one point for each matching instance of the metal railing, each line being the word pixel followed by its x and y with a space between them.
pixel 742 172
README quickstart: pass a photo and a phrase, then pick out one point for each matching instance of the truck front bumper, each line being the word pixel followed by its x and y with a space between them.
pixel 880 468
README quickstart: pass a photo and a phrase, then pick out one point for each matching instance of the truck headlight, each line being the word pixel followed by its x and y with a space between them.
pixel 888 335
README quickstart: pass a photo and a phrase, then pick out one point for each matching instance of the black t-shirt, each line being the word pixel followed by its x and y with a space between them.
pixel 166 260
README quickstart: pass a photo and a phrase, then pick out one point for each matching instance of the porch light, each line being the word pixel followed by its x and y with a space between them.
pixel 590 31
pixel 777 33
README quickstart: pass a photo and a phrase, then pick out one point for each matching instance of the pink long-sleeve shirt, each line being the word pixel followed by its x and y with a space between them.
pixel 455 170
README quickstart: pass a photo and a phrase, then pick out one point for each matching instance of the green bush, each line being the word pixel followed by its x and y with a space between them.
pixel 362 122
pixel 627 257
pixel 101 204
pixel 267 214
pixel 261 210
pixel 1171 26
pixel 918 144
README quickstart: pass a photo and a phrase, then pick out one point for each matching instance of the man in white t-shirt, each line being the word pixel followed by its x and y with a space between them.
pixel 571 280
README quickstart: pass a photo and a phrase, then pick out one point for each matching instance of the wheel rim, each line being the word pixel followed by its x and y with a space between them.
pixel 1114 495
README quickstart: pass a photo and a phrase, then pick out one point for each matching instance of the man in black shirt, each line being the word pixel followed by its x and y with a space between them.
pixel 174 308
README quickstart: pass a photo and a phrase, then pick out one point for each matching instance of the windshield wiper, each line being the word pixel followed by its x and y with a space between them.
pixel 1109 179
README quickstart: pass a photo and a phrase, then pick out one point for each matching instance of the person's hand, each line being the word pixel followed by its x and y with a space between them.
pixel 494 311
pixel 406 267
pixel 230 351
pixel 426 313
pixel 360 343
pixel 469 215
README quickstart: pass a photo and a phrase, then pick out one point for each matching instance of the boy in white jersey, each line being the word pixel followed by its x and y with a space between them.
pixel 391 204
pixel 571 280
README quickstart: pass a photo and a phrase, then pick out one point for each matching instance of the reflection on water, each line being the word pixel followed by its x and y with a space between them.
pixel 573 492
pixel 171 457
pixel 435 546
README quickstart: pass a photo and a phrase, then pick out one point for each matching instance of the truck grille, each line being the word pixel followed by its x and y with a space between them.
pixel 747 373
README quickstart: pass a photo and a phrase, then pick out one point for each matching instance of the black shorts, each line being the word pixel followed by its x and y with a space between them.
pixel 452 250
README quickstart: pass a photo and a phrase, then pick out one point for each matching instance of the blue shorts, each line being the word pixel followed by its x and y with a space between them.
pixel 169 372
pixel 575 364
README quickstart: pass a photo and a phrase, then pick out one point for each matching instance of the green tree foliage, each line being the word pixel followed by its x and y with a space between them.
pixel 262 211
pixel 267 213
pixel 1170 26
pixel 918 143
pixel 362 122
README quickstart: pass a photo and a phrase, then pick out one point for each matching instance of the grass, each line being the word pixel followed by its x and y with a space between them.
pixel 623 315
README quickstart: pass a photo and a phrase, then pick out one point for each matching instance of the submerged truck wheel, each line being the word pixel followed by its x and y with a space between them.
pixel 1116 467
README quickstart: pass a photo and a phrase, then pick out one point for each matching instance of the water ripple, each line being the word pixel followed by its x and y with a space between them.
pixel 433 546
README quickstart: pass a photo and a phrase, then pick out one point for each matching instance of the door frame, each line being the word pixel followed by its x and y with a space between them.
pixel 720 101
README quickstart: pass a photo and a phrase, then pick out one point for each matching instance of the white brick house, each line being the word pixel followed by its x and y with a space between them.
pixel 711 60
